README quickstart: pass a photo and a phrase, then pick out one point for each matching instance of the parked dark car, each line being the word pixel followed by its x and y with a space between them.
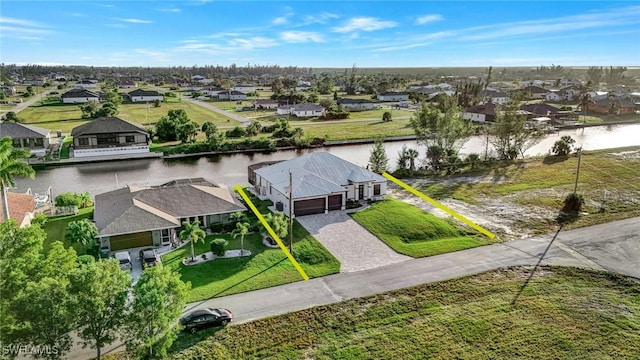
pixel 148 257
pixel 201 319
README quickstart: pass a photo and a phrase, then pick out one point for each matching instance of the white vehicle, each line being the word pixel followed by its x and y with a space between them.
pixel 125 260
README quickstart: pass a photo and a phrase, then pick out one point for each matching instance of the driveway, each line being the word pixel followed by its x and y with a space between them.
pixel 354 246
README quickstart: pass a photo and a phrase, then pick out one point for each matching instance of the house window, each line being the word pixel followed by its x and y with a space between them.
pixel 376 189
pixel 39 142
pixel 107 139
pixel 16 143
pixel 83 141
pixel 129 138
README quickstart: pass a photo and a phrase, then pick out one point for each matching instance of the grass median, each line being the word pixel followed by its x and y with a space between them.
pixel 557 313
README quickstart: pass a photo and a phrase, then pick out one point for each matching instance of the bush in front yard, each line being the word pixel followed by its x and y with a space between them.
pixel 216 227
pixel 306 253
pixel 218 246
pixel 229 227
pixel 573 203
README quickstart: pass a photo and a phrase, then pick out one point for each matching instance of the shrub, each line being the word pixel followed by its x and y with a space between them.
pixel 216 227
pixel 229 227
pixel 306 253
pixel 40 220
pixel 67 199
pixel 85 259
pixel 563 146
pixel 573 203
pixel 236 132
pixel 386 117
pixel 218 246
pixel 269 128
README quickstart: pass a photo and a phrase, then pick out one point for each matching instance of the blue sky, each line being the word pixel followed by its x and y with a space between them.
pixel 320 34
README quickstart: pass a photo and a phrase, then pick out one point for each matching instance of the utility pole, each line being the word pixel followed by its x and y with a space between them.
pixel 290 212
pixel 575 187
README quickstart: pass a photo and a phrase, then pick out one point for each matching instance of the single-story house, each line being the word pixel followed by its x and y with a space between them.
pixel 109 136
pixel 265 104
pixel 303 87
pixel 357 104
pixel 534 92
pixel 32 138
pixel 35 81
pixel 211 91
pixel 87 84
pixel 141 95
pixel 8 89
pixel 480 113
pixel 21 208
pixel 151 216
pixel 284 109
pixel 494 96
pixel 244 88
pixel 320 181
pixel 232 95
pixel 554 96
pixel 606 105
pixel 79 96
pixel 541 109
pixel 307 110
pixel 570 93
pixel 127 84
pixel 393 96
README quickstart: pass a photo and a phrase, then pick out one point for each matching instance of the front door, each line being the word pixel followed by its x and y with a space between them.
pixel 360 192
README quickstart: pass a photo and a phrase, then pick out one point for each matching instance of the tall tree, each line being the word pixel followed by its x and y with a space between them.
pixel 444 128
pixel 159 297
pixel 378 159
pixel 584 101
pixel 594 74
pixel 191 231
pixel 11 165
pixel 242 229
pixel 209 129
pixel 100 290
pixel 403 157
pixel 81 232
pixel 509 135
pixel 412 155
pixel 615 75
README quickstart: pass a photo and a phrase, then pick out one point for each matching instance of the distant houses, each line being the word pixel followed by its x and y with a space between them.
pixel 32 138
pixel 301 110
pixel 140 95
pixel 357 104
pixel 109 136
pixel 79 96
pixel 393 96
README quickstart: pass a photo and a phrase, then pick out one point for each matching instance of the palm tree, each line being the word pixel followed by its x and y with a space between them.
pixel 584 101
pixel 242 229
pixel 85 199
pixel 82 231
pixel 412 155
pixel 193 232
pixel 10 166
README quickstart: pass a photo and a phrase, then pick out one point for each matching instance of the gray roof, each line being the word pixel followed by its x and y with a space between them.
pixel 307 107
pixel 79 93
pixel 19 131
pixel 137 209
pixel 315 174
pixel 107 125
pixel 354 101
pixel 141 92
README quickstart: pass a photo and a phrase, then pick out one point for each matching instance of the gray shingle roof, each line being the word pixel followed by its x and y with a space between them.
pixel 307 107
pixel 79 93
pixel 19 131
pixel 141 92
pixel 315 174
pixel 131 209
pixel 107 125
pixel 354 101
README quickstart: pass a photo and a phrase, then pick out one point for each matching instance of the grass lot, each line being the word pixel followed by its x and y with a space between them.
pixel 66 117
pixel 546 182
pixel 265 267
pixel 562 313
pixel 56 226
pixel 411 231
pixel 354 129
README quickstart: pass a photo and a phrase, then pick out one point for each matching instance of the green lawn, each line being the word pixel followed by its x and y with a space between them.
pixel 353 129
pixel 560 313
pixel 56 226
pixel 411 231
pixel 66 117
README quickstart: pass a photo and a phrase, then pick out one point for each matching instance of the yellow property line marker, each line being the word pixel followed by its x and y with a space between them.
pixel 271 232
pixel 415 192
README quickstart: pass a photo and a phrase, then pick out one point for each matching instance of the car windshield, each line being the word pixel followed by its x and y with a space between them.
pixel 215 312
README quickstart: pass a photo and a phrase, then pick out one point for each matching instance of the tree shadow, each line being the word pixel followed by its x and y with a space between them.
pixel 533 271
pixel 554 159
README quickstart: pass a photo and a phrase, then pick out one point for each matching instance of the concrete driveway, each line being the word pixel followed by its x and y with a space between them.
pixel 354 246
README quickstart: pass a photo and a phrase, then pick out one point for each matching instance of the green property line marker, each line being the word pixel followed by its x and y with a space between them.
pixel 271 232
pixel 415 192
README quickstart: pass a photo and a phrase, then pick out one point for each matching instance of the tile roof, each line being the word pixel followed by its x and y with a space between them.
pixel 137 209
pixel 19 206
pixel 18 131
pixel 107 125
pixel 315 174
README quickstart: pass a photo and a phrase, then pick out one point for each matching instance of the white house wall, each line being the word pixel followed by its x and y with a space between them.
pixel 111 151
pixel 146 98
pixel 79 100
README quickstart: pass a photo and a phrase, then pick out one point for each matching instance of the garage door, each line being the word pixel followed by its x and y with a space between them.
pixel 131 241
pixel 307 207
pixel 335 202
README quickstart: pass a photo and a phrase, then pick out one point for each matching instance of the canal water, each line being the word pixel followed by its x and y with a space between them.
pixel 232 169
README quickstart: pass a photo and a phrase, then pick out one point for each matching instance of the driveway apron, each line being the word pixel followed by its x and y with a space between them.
pixel 354 246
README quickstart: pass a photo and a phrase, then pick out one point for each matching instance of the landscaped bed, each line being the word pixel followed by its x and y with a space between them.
pixel 411 231
pixel 266 267
pixel 560 313
pixel 55 228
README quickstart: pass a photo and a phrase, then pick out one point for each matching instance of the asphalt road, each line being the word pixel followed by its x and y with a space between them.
pixel 614 246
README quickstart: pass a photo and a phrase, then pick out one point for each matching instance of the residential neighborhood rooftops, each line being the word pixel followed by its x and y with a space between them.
pixel 136 209
pixel 17 131
pixel 315 174
pixel 142 92
pixel 106 125
pixel 354 101
pixel 307 107
pixel 19 206
pixel 79 93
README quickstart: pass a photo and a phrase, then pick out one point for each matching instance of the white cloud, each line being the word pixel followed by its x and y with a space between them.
pixel 171 9
pixel 401 47
pixel 20 28
pixel 106 5
pixel 280 20
pixel 321 18
pixel 136 21
pixel 228 46
pixel 35 38
pixel 20 22
pixel 364 24
pixel 425 19
pixel 301 37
